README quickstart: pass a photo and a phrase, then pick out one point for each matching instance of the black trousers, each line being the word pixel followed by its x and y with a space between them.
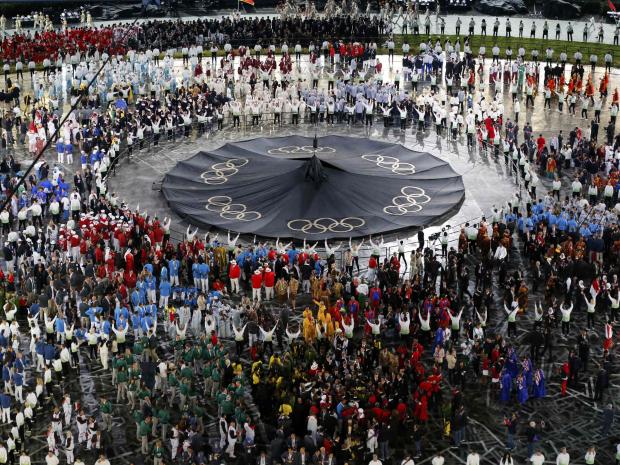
pixel 512 328
pixel 565 328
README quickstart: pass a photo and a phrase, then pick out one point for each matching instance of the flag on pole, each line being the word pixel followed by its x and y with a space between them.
pixel 612 7
pixel 595 288
pixel 249 2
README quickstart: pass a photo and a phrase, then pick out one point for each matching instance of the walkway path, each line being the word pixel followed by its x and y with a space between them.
pixel 450 19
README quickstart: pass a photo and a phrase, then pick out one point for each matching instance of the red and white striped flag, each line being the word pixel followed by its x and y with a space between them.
pixel 595 288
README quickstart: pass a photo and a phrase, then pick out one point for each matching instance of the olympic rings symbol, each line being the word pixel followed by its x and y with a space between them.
pixel 220 172
pixel 228 210
pixel 296 149
pixel 391 163
pixel 323 225
pixel 410 201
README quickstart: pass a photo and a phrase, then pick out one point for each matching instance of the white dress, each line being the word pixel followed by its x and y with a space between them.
pixel 103 356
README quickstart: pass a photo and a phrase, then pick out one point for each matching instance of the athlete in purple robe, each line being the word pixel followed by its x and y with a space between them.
pixel 505 384
pixel 522 394
pixel 539 390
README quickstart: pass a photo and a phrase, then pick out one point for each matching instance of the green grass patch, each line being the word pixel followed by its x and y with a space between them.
pixel 476 42
pixel 558 46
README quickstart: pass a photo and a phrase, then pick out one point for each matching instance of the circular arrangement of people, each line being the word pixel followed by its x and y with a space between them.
pixel 295 233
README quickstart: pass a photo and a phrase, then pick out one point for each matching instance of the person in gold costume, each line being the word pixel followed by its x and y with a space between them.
pixel 293 288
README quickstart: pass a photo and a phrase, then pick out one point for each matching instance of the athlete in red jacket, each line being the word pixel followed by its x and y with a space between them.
pixel 234 273
pixel 270 280
pixel 257 284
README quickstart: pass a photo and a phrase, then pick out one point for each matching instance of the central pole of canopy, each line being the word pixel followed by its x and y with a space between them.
pixel 315 171
pixel 314 168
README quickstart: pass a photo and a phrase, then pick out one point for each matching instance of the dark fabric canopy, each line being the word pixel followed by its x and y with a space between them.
pixel 284 187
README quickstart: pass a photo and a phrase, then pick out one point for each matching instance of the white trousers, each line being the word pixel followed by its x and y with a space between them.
pixel 268 293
